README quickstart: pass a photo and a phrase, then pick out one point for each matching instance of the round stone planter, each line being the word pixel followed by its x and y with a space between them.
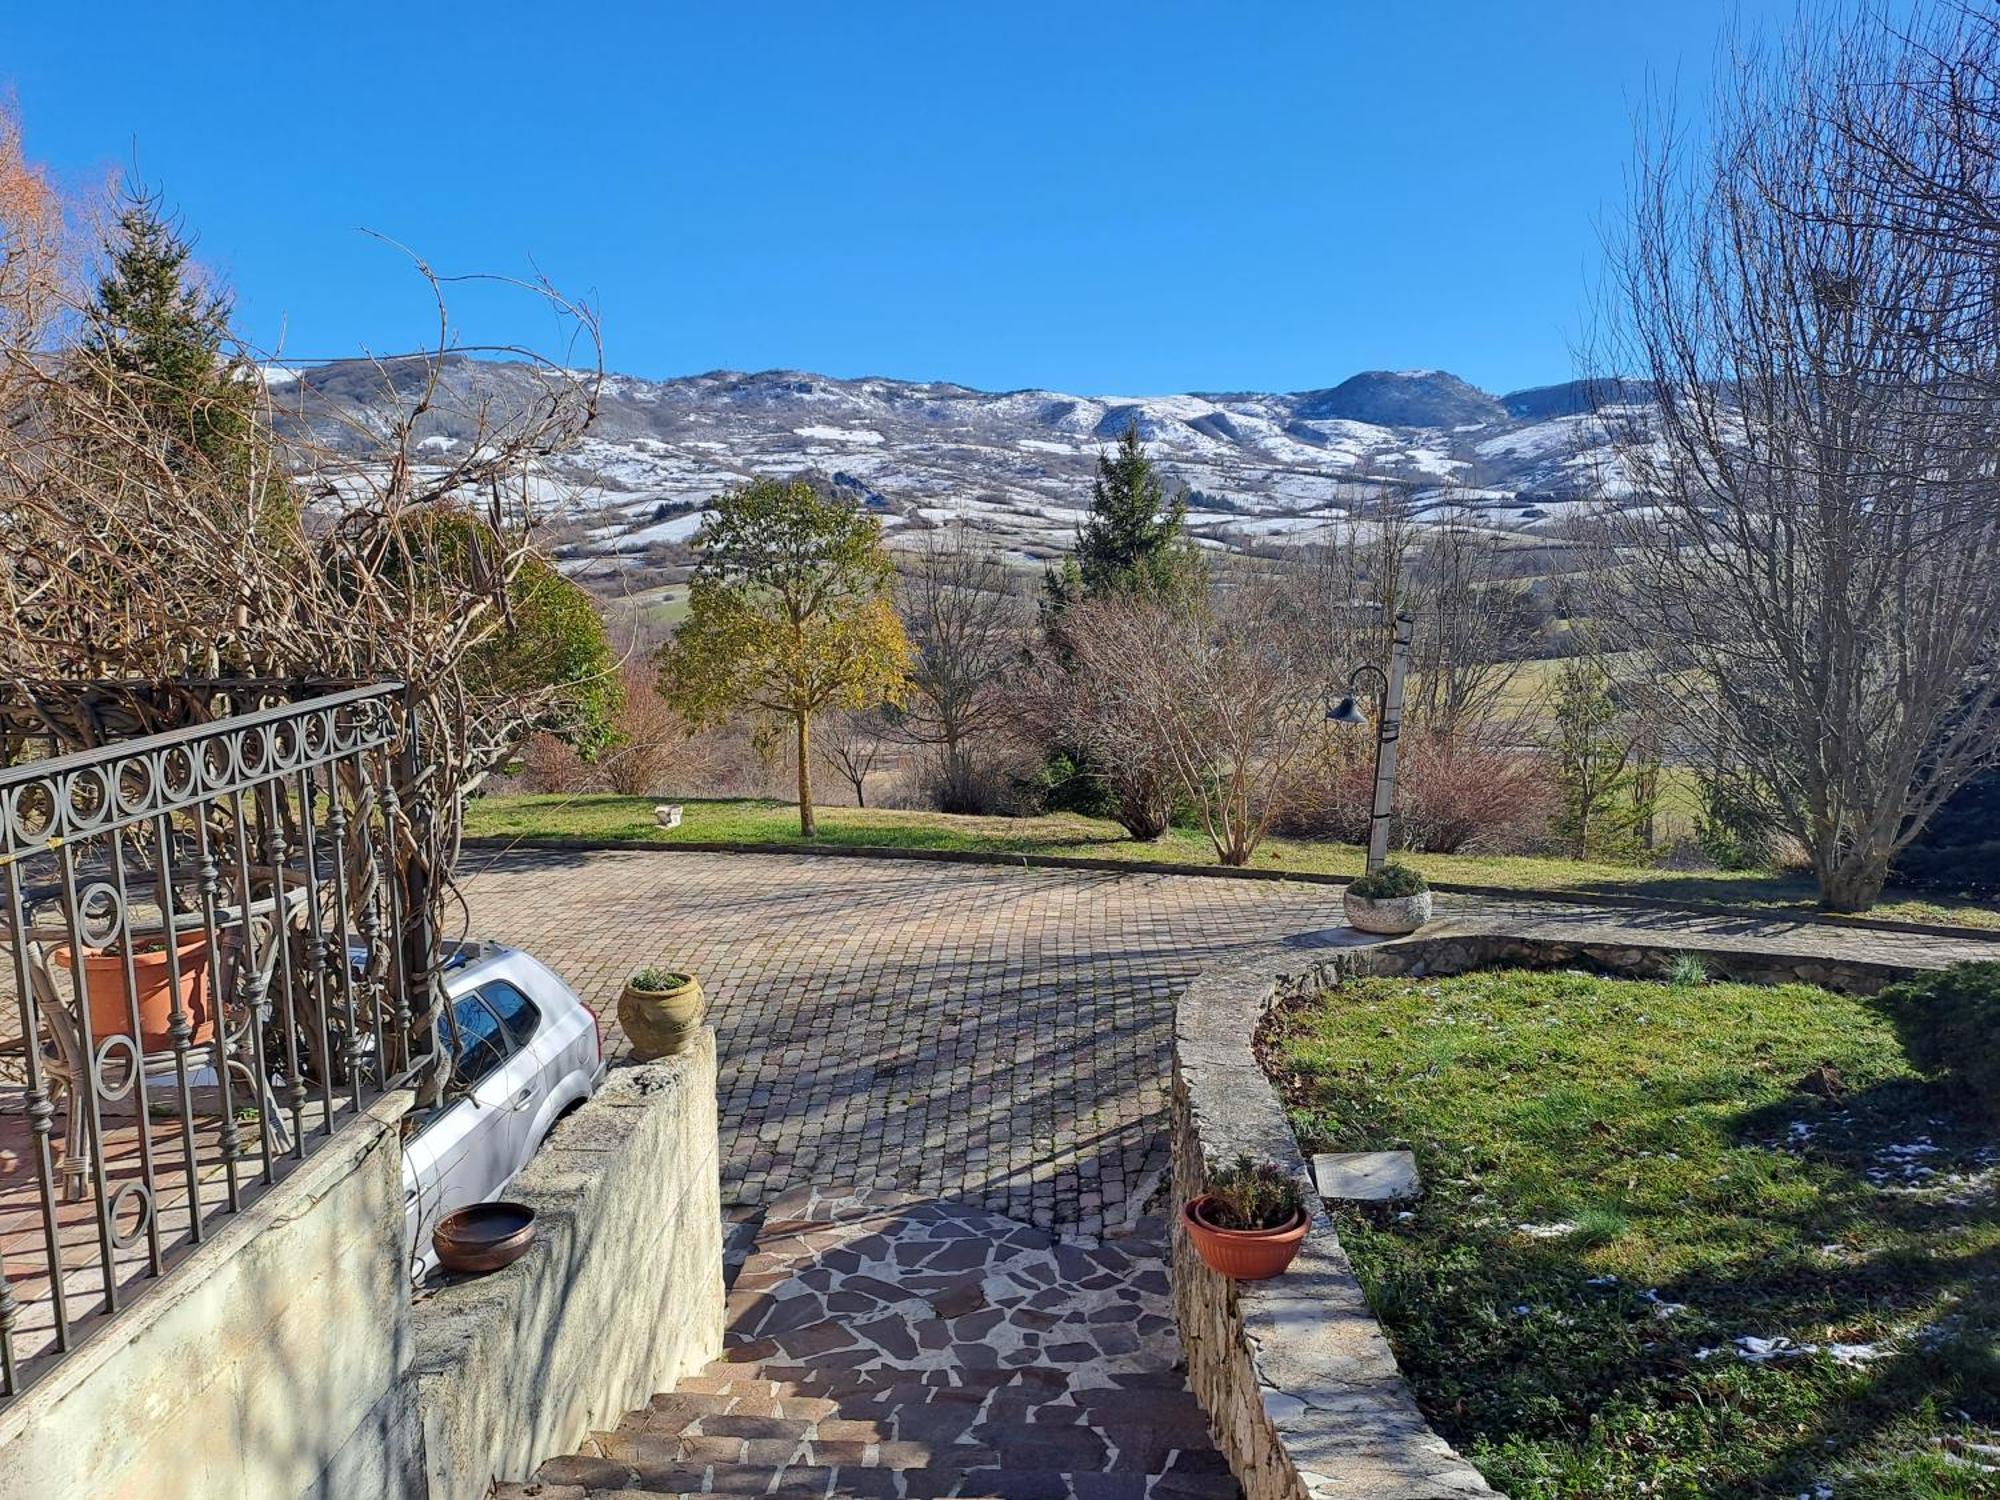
pixel 1389 916
pixel 662 1022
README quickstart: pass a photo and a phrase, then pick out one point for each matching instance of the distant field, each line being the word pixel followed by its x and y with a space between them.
pixel 755 821
pixel 655 611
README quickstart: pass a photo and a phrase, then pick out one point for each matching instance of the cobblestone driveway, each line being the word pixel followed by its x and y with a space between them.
pixel 993 1035
pixel 987 1034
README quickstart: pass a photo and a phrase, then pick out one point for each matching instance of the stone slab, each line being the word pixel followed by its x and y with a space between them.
pixel 1367 1176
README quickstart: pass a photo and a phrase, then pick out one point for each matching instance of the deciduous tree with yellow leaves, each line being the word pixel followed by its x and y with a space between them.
pixel 789 614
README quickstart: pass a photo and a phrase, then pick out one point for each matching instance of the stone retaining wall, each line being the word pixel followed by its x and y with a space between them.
pixel 620 1297
pixel 1296 1375
pixel 284 1358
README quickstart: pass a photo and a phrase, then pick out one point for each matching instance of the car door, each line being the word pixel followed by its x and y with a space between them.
pixel 525 1074
pixel 468 1150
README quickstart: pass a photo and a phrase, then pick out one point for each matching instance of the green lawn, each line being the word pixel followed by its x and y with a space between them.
pixel 763 822
pixel 1625 1186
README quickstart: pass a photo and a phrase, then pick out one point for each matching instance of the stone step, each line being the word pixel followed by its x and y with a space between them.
pixel 883 1348
pixel 813 1483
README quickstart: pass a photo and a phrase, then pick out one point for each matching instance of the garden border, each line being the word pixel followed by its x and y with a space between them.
pixel 503 844
pixel 1296 1374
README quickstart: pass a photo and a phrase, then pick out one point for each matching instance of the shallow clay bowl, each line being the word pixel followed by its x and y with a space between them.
pixel 484 1236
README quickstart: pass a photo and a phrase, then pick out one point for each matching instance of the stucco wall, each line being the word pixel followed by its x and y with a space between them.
pixel 266 1364
pixel 285 1358
pixel 621 1296
pixel 1299 1382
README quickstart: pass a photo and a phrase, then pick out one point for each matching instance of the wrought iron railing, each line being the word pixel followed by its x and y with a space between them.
pixel 210 971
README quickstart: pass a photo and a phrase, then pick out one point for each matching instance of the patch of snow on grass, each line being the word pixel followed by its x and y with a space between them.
pixel 1560 1229
pixel 865 435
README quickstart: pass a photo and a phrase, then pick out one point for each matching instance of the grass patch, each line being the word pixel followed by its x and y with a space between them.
pixel 757 821
pixel 1625 1183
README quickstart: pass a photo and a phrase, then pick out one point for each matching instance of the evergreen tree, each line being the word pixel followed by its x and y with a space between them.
pixel 1133 540
pixel 162 340
pixel 1600 768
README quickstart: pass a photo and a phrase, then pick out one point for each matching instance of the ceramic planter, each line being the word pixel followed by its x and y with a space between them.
pixel 111 999
pixel 1242 1254
pixel 662 1022
pixel 1389 915
pixel 483 1237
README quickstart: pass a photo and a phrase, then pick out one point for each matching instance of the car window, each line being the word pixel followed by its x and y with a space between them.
pixel 482 1041
pixel 517 1013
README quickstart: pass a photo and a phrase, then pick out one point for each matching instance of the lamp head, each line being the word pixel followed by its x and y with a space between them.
pixel 1347 712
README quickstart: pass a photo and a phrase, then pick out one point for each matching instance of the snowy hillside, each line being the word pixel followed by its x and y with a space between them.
pixel 1017 465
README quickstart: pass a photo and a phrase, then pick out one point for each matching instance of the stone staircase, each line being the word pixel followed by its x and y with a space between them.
pixel 900 1349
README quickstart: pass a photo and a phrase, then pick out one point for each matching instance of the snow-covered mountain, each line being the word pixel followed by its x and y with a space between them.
pixel 1017 465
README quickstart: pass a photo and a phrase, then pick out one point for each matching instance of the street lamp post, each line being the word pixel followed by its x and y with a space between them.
pixel 1388 735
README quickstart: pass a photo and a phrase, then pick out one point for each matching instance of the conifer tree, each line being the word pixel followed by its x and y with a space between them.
pixel 1132 542
pixel 162 339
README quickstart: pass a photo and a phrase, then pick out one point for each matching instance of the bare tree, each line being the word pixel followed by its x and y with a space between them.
pixel 1084 706
pixel 1816 564
pixel 853 742
pixel 1474 626
pixel 304 554
pixel 1475 622
pixel 1227 691
pixel 966 618
pixel 651 739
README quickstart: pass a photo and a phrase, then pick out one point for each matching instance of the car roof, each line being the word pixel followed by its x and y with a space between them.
pixel 465 962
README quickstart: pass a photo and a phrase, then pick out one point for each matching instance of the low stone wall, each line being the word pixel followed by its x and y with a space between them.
pixel 284 1357
pixel 1298 1380
pixel 621 1296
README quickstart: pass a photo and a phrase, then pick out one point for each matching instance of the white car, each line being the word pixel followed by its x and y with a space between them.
pixel 529 1051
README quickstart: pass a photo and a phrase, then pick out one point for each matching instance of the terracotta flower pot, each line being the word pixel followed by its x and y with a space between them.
pixel 662 1022
pixel 1243 1254
pixel 111 999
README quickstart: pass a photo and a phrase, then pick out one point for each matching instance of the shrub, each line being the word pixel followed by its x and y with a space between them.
pixel 1958 853
pixel 1464 793
pixel 1949 1024
pixel 1731 830
pixel 655 979
pixel 1250 1194
pixel 1389 883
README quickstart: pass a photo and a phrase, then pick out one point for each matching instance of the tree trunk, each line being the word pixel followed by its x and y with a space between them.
pixel 808 828
pixel 1853 882
pixel 1145 813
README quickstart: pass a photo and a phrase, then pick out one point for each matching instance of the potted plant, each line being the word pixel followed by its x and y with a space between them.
pixel 155 978
pixel 660 1010
pixel 1251 1221
pixel 1395 899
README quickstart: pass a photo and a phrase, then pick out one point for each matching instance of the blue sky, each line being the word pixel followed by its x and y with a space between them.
pixel 1097 197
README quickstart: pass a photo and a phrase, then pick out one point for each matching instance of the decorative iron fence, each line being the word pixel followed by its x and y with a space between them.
pixel 210 971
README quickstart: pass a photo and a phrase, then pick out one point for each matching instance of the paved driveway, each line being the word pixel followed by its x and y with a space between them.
pixel 1001 1036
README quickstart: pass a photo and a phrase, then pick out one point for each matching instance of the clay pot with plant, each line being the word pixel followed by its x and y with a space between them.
pixel 1393 900
pixel 1250 1223
pixel 661 1010
pixel 156 980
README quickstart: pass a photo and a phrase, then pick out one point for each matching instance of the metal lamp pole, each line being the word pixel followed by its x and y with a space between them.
pixel 1388 735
